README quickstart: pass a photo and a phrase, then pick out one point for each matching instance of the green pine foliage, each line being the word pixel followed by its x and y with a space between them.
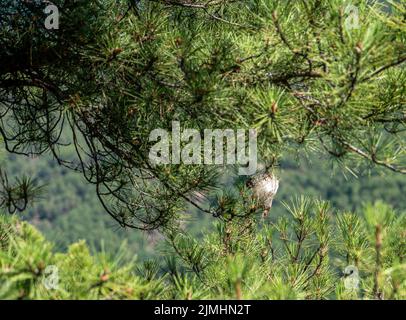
pixel 25 256
pixel 305 256
pixel 115 71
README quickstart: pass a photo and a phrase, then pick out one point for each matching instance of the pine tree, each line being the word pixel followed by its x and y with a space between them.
pixel 324 77
pixel 308 75
pixel 15 196
pixel 309 254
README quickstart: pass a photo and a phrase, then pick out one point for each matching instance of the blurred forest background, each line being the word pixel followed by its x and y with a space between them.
pixel 69 209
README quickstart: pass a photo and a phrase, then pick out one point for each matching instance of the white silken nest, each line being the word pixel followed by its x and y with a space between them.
pixel 265 186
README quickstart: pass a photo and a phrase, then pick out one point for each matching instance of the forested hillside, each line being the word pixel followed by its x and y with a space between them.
pixel 69 209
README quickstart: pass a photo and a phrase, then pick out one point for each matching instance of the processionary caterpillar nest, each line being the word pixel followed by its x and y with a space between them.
pixel 264 186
